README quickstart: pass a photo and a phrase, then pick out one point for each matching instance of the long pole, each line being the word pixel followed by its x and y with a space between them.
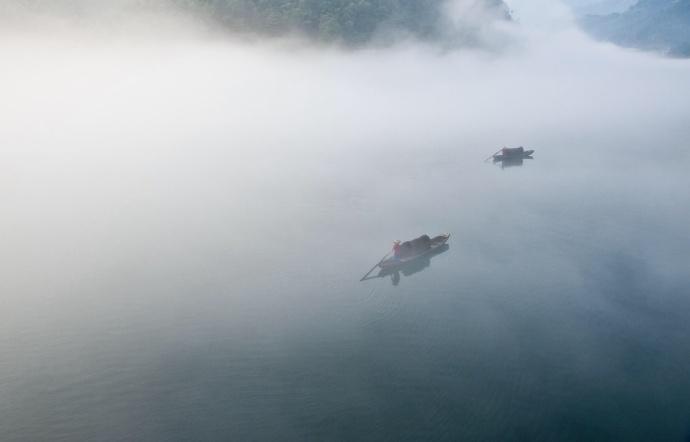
pixel 493 154
pixel 373 268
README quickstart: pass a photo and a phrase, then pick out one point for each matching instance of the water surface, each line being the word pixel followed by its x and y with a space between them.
pixel 188 269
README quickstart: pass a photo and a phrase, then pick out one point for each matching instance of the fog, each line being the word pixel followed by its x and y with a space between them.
pixel 164 180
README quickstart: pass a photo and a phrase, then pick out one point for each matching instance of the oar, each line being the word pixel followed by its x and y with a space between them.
pixel 374 268
pixel 492 155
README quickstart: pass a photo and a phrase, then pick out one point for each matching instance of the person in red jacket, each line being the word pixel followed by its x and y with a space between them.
pixel 396 249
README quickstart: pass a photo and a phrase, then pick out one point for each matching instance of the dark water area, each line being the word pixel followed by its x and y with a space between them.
pixel 559 311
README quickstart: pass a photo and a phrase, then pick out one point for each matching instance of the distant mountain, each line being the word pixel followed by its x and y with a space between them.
pixel 598 7
pixel 352 22
pixel 660 25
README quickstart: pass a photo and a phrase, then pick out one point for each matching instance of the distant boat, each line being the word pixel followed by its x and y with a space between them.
pixel 507 154
pixel 415 252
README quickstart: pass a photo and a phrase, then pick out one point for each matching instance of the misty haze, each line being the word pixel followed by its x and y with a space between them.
pixel 192 192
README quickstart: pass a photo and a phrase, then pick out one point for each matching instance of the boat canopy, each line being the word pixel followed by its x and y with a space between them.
pixel 513 151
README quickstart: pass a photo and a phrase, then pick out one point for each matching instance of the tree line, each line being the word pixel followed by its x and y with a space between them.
pixel 349 21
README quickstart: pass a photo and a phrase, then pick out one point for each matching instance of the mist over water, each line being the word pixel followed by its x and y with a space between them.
pixel 186 216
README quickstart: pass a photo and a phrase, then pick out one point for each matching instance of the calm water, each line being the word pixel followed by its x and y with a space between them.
pixel 560 311
pixel 162 281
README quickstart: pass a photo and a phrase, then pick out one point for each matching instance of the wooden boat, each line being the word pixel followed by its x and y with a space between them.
pixel 511 154
pixel 435 245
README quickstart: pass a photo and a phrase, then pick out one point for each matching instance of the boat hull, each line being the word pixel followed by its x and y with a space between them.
pixel 437 245
pixel 514 156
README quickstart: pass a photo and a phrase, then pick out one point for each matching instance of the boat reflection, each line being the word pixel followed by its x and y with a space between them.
pixel 514 161
pixel 408 269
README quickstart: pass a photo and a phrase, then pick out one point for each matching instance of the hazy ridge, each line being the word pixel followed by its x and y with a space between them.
pixel 661 25
pixel 598 7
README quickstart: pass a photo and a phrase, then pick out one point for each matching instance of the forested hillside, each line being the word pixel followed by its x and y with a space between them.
pixel 662 25
pixel 348 21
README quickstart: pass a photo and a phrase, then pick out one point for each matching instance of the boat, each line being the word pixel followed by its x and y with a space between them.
pixel 507 154
pixel 435 245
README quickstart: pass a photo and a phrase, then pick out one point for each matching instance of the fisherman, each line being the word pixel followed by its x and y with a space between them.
pixel 396 249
